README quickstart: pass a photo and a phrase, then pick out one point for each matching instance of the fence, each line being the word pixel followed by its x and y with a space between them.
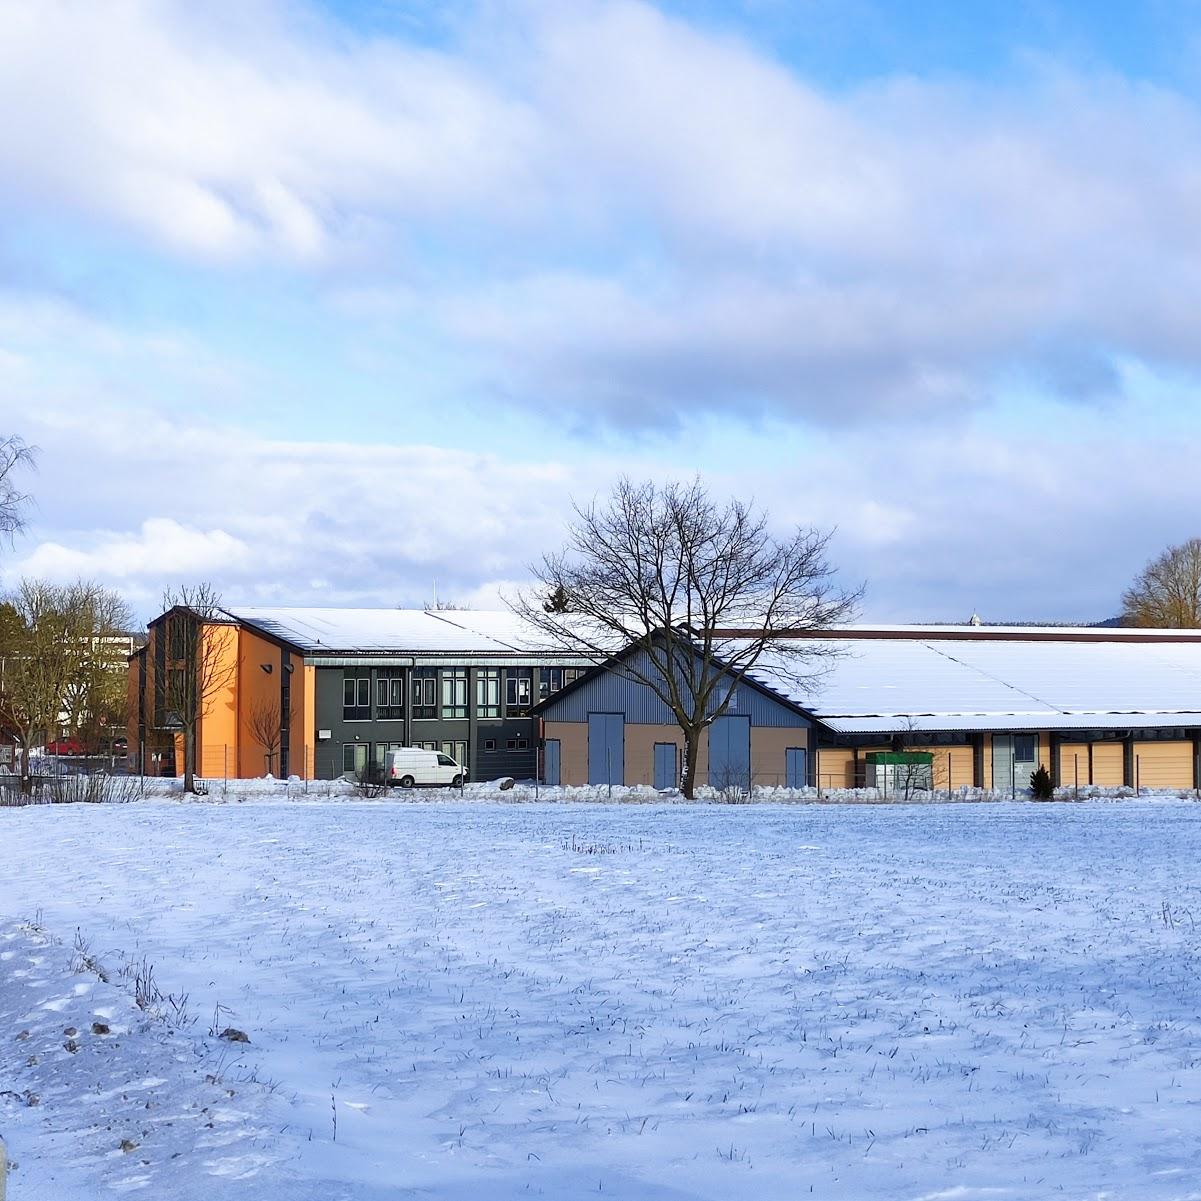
pixel 217 765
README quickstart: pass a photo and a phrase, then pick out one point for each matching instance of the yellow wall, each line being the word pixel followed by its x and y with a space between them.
pixel 1164 764
pixel 304 728
pixel 1107 764
pixel 217 731
pixel 1073 764
pixel 256 687
pixel 835 768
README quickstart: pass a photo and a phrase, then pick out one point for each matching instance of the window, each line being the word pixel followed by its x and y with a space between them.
pixel 454 692
pixel 390 698
pixel 383 750
pixel 356 698
pixel 517 690
pixel 425 746
pixel 354 757
pixel 1025 748
pixel 487 693
pixel 425 692
pixel 456 751
pixel 511 744
pixel 489 744
pixel 551 679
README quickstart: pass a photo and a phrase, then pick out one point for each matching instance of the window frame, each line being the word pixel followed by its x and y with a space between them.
pixel 487 684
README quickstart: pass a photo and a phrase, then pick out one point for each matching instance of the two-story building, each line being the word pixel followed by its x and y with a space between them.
pixel 320 693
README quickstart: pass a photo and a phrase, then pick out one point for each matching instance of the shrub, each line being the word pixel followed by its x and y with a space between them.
pixel 1040 784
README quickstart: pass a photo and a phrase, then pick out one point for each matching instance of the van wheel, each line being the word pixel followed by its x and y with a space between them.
pixel 406 781
pixel 457 782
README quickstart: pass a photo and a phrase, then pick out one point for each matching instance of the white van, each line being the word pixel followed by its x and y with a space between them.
pixel 410 766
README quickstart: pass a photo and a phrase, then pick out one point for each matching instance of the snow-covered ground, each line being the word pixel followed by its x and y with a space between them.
pixel 638 1001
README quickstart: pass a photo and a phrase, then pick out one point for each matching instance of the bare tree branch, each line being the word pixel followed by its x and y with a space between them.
pixel 1167 592
pixel 15 454
pixel 265 721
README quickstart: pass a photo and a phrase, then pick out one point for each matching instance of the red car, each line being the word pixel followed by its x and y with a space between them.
pixel 65 746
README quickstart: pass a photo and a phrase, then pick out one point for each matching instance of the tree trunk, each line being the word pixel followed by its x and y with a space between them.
pixel 692 745
pixel 26 776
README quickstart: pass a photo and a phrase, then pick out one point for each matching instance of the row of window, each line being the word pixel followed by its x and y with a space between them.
pixel 445 689
pixel 356 755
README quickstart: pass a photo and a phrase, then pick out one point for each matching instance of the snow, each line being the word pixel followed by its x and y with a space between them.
pixel 635 1001
pixel 319 631
pixel 883 684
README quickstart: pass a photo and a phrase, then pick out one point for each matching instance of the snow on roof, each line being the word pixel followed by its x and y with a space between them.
pixel 880 684
pixel 395 631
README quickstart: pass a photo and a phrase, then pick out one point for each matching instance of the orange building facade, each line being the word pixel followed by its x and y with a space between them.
pixel 254 705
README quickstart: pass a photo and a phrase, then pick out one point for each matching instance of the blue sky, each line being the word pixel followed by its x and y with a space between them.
pixel 326 302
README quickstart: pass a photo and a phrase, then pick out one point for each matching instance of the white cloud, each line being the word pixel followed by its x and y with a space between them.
pixel 234 130
pixel 666 219
pixel 940 523
pixel 160 548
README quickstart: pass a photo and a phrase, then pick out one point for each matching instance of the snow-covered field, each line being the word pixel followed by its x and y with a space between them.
pixel 482 1001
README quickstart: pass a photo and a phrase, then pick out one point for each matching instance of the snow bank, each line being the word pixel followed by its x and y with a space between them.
pixel 128 789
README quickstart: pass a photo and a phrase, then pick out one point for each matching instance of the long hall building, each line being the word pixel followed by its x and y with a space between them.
pixel 975 706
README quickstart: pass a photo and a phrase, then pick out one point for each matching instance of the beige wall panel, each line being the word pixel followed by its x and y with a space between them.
pixel 1107 764
pixel 952 765
pixel 1073 764
pixel 640 750
pixel 1164 764
pixel 572 737
pixel 768 744
pixel 835 768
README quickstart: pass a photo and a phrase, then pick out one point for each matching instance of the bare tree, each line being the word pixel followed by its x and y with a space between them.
pixel 15 454
pixel 56 636
pixel 1167 592
pixel 197 664
pixel 699 593
pixel 266 724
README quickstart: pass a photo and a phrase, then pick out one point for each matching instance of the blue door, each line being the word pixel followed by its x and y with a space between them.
pixel 796 767
pixel 666 775
pixel 550 762
pixel 606 748
pixel 730 753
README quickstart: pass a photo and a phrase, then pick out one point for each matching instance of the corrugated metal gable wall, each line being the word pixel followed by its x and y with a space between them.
pixel 614 693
